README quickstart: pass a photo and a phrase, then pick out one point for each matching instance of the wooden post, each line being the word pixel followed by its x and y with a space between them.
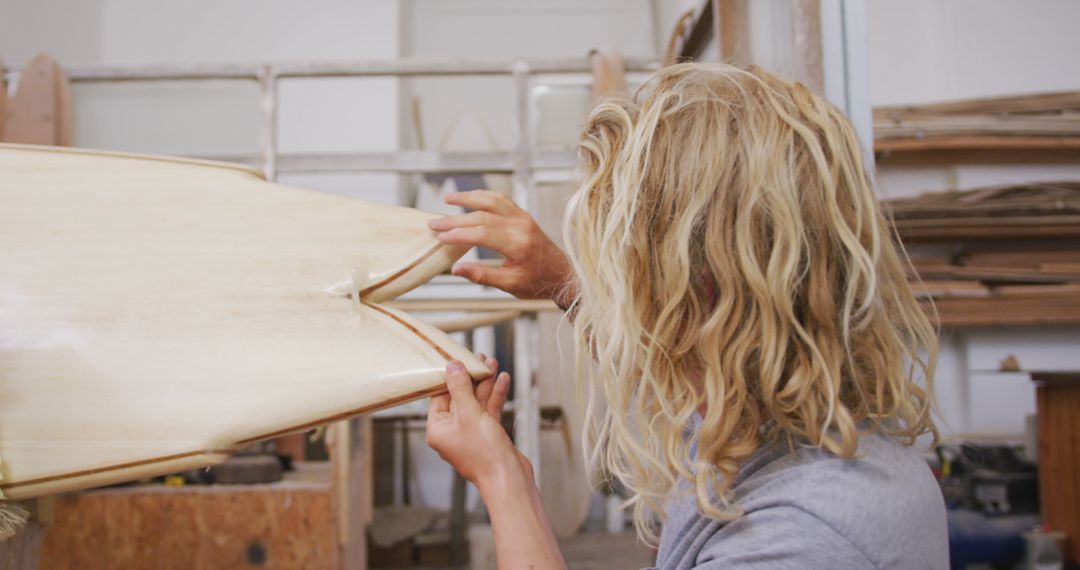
pixel 733 26
pixel 351 488
pixel 292 445
pixel 3 99
pixel 806 44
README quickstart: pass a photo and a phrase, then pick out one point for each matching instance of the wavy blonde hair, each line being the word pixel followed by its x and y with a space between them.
pixel 730 253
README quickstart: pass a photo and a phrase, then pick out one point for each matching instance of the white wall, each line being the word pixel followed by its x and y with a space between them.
pixel 933 50
pixel 220 117
pixel 509 29
pixel 70 30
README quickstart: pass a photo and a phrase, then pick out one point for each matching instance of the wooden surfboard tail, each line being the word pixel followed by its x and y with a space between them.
pixel 201 322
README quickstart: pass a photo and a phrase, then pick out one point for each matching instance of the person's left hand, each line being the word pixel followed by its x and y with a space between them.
pixel 464 425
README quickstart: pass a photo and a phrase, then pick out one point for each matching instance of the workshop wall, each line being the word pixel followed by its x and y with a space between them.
pixel 924 51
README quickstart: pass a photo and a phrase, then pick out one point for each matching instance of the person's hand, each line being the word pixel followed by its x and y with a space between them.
pixel 464 427
pixel 535 268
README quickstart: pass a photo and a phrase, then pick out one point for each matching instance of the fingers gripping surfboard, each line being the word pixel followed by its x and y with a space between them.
pixel 157 314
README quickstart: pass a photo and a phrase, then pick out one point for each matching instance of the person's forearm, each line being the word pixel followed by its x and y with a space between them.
pixel 523 536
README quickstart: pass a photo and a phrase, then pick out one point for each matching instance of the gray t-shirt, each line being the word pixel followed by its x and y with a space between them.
pixel 809 509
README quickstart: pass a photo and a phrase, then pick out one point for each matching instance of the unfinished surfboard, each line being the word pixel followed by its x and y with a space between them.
pixel 157 314
pixel 40 111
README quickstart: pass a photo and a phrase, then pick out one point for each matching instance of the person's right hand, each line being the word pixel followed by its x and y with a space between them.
pixel 535 268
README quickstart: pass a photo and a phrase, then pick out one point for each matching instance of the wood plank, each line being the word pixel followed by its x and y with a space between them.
pixel 929 155
pixel 952 288
pixel 1035 257
pixel 990 229
pixel 352 468
pixel 1055 197
pixel 977 150
pixel 970 142
pixel 1052 268
pixel 1036 291
pixel 1057 274
pixel 1049 308
pixel 928 128
pixel 1031 103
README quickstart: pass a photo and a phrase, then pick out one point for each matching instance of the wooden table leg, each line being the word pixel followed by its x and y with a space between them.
pixel 293 444
pixel 351 457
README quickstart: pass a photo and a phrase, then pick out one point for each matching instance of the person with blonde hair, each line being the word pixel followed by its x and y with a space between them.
pixel 757 366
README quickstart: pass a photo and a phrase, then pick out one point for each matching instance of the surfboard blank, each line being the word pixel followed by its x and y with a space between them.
pixel 157 314
pixel 40 111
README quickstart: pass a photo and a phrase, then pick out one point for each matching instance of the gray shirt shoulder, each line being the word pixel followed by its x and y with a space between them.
pixel 810 509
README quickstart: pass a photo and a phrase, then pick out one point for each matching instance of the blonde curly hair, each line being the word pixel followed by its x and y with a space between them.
pixel 731 256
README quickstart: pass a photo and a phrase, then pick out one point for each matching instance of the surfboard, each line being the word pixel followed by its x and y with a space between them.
pixel 40 111
pixel 157 314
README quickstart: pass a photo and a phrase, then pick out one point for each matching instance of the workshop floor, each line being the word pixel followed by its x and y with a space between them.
pixel 605 552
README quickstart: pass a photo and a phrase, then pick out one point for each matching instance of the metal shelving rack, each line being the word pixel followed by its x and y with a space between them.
pixel 520 163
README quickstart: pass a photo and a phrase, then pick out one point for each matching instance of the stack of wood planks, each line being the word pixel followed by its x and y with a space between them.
pixel 1044 210
pixel 1046 121
pixel 1002 255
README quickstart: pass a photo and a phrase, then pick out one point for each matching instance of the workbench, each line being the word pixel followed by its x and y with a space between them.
pixel 289 524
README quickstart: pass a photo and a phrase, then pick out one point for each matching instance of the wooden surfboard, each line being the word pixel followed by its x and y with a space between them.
pixel 40 110
pixel 156 314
